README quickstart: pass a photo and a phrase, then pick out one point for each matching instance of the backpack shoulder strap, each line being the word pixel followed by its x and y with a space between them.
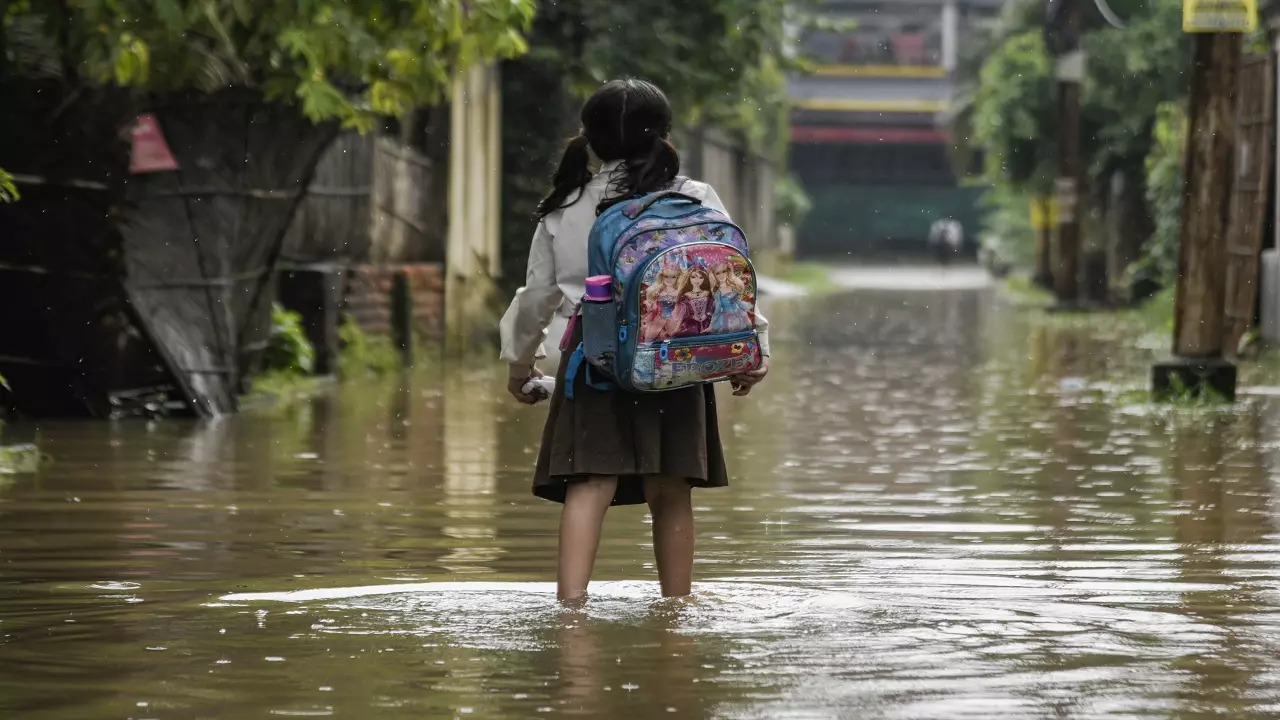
pixel 636 208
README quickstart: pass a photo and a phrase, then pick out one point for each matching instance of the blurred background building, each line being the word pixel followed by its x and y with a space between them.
pixel 868 135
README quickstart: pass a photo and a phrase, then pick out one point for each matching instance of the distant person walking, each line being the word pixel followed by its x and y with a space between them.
pixel 946 237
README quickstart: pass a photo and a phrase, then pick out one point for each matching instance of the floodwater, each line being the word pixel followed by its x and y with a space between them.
pixel 939 510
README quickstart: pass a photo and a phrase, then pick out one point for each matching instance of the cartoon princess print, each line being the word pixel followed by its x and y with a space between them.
pixel 730 312
pixel 660 304
pixel 693 311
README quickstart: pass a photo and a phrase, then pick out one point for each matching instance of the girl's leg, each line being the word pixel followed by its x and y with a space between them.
pixel 584 506
pixel 671 504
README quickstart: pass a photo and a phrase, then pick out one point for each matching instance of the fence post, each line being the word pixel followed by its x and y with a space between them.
pixel 402 316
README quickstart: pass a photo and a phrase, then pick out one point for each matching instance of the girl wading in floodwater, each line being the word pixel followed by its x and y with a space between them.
pixel 605 447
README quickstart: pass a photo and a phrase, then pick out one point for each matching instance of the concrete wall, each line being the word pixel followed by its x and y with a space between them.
pixel 472 258
pixel 744 181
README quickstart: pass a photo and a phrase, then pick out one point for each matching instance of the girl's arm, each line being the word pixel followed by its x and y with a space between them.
pixel 524 326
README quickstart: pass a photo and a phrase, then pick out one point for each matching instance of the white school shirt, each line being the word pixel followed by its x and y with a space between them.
pixel 556 277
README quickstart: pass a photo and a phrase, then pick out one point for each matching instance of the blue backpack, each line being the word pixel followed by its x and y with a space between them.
pixel 684 298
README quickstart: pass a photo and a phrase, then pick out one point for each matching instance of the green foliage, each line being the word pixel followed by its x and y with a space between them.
pixel 1185 394
pixel 791 203
pixel 814 277
pixel 288 349
pixel 8 189
pixel 723 62
pixel 345 61
pixel 363 355
pixel 1133 74
pixel 1165 190
pixel 1007 238
pixel 1022 291
pixel 1156 313
pixel 1015 113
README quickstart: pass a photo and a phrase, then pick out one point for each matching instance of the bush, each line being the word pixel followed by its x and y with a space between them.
pixel 1006 239
pixel 1165 188
pixel 288 350
pixel 8 190
pixel 791 203
pixel 364 355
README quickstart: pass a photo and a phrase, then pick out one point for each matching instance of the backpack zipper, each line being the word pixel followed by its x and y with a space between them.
pixel 664 349
pixel 617 248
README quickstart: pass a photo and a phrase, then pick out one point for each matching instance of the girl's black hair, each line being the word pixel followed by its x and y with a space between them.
pixel 627 120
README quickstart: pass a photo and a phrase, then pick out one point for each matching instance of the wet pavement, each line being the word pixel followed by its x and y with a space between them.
pixel 938 510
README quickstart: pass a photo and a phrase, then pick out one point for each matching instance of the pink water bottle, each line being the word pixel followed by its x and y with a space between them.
pixel 599 318
pixel 599 289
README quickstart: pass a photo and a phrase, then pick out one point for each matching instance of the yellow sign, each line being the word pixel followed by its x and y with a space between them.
pixel 1206 16
pixel 1044 213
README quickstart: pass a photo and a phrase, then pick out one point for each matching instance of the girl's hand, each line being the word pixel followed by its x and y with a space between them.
pixel 743 383
pixel 515 386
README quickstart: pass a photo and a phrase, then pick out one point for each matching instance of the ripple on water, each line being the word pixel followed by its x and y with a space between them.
pixel 924 523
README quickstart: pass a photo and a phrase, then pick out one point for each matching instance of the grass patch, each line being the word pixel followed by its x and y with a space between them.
pixel 1020 290
pixel 277 387
pixel 813 277
pixel 1156 313
pixel 1148 326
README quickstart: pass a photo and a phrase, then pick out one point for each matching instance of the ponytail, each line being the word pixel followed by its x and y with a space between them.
pixel 653 171
pixel 572 174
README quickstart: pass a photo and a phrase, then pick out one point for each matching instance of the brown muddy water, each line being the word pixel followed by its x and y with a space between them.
pixel 940 509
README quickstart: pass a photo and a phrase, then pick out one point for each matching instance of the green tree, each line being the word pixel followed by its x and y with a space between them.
pixel 339 60
pixel 1165 190
pixel 722 62
pixel 1013 114
pixel 1014 117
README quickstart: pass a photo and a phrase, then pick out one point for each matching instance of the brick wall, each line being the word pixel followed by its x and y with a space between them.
pixel 368 298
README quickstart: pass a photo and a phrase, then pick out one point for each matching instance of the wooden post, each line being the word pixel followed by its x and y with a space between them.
pixel 1211 130
pixel 402 316
pixel 1198 365
pixel 1249 198
pixel 1066 274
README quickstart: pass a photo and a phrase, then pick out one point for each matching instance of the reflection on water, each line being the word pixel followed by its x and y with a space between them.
pixel 932 515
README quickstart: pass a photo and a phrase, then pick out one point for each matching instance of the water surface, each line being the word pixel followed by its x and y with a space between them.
pixel 938 510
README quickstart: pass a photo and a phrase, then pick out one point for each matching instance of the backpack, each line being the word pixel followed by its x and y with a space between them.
pixel 683 304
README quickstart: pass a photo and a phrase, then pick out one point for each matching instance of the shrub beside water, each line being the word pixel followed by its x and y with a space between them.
pixel 363 354
pixel 288 349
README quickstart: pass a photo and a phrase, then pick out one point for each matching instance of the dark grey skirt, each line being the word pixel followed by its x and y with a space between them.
pixel 630 435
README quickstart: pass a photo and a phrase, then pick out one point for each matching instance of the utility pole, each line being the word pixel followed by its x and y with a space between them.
pixel 1198 363
pixel 1062 39
pixel 1066 275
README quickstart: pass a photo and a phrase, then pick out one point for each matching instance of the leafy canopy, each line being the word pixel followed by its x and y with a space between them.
pixel 1015 112
pixel 724 62
pixel 1129 73
pixel 348 61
